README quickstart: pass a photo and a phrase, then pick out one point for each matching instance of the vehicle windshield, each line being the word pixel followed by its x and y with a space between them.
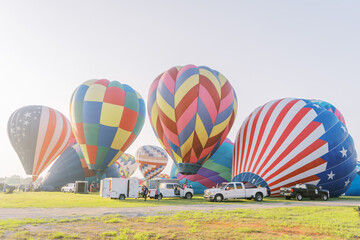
pixel 223 185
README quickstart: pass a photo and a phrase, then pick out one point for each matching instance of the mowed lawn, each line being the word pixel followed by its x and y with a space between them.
pixel 276 223
pixel 67 200
pixel 268 223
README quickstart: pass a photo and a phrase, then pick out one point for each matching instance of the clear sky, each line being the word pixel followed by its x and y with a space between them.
pixel 266 49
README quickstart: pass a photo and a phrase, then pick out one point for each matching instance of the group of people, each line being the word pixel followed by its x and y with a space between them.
pixel 145 192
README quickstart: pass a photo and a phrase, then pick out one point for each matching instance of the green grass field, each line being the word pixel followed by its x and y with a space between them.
pixel 277 223
pixel 66 200
pixel 268 223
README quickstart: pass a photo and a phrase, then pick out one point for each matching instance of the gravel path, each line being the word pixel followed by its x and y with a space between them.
pixel 18 213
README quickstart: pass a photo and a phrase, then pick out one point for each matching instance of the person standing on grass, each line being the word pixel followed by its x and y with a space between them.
pixel 145 191
pixel 157 193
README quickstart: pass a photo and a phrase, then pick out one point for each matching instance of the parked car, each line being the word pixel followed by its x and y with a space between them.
pixel 301 191
pixel 70 187
pixel 235 190
pixel 170 190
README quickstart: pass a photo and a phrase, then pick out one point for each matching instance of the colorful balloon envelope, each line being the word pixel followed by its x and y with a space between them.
pixel 330 108
pixel 216 170
pixel 71 166
pixel 191 111
pixel 38 134
pixel 106 118
pixel 126 165
pixel 163 176
pixel 354 189
pixel 290 141
pixel 152 160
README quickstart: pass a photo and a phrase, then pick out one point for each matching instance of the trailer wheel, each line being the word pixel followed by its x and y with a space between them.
pixel 258 197
pixel 188 195
pixel 122 197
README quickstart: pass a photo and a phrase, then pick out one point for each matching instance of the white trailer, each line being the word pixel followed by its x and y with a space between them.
pixel 119 188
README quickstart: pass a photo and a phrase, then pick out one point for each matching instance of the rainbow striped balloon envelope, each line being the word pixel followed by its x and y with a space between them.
pixel 152 160
pixel 126 165
pixel 216 170
pixel 290 141
pixel 106 117
pixel 191 110
pixel 39 134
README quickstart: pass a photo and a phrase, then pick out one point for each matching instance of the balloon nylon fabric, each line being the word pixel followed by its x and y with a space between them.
pixel 39 134
pixel 152 160
pixel 290 141
pixel 191 110
pixel 106 118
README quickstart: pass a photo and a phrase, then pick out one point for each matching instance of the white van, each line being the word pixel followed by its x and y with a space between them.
pixel 70 187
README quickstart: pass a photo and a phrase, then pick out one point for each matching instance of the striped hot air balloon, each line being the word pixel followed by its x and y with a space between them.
pixel 191 111
pixel 126 165
pixel 330 108
pixel 216 170
pixel 38 134
pixel 106 117
pixel 152 160
pixel 290 141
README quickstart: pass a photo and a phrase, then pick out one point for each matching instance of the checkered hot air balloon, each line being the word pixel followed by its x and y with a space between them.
pixel 290 141
pixel 126 165
pixel 39 134
pixel 152 160
pixel 191 111
pixel 106 117
pixel 216 170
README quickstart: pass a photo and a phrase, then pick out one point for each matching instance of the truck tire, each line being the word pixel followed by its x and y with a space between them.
pixel 188 196
pixel 259 197
pixel 160 196
pixel 287 198
pixel 299 196
pixel 218 198
pixel 122 197
pixel 324 197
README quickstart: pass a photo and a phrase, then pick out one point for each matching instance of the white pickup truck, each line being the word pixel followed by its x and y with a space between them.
pixel 235 190
pixel 168 190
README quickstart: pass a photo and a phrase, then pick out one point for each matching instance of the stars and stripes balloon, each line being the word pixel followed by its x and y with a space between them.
pixel 290 141
pixel 126 165
pixel 354 189
pixel 38 134
pixel 216 170
pixel 152 160
pixel 106 117
pixel 71 166
pixel 331 108
pixel 191 111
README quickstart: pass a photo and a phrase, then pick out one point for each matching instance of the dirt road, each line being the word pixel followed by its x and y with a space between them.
pixel 18 213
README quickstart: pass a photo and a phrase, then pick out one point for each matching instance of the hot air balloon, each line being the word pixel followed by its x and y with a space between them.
pixel 38 134
pixel 106 118
pixel 126 165
pixel 216 170
pixel 163 176
pixel 290 141
pixel 354 189
pixel 71 166
pixel 330 108
pixel 191 111
pixel 152 160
